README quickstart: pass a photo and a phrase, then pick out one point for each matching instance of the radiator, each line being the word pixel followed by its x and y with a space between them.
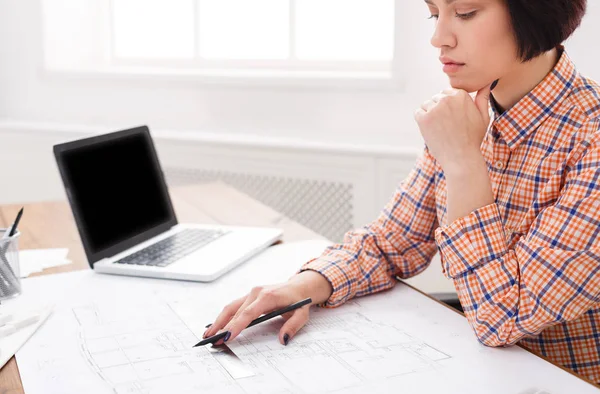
pixel 324 207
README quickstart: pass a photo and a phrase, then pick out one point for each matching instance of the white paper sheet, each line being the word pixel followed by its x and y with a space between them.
pixel 112 334
pixel 11 343
pixel 36 260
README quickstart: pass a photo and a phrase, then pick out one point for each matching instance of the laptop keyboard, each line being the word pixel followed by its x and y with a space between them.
pixel 173 248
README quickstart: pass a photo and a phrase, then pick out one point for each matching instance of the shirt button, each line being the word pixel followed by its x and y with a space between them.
pixel 499 165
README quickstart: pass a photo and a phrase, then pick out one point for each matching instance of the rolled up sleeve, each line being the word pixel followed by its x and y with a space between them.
pixel 400 242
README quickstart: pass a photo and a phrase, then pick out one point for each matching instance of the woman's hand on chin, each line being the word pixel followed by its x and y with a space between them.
pixel 453 125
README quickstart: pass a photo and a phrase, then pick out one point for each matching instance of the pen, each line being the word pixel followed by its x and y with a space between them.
pixel 13 229
pixel 215 338
pixel 9 277
pixel 13 326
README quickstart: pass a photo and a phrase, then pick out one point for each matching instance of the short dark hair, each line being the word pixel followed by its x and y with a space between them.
pixel 540 26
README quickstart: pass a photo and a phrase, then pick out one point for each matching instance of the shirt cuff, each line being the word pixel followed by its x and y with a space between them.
pixel 340 282
pixel 471 241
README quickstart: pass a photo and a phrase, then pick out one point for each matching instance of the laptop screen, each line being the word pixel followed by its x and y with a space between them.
pixel 116 189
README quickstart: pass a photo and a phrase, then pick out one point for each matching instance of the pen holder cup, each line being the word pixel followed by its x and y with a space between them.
pixel 10 281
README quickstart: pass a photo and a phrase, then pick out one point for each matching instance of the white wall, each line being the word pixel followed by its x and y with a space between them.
pixel 355 116
pixel 583 46
pixel 362 117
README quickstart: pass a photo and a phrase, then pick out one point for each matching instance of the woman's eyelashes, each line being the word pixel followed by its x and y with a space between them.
pixel 466 16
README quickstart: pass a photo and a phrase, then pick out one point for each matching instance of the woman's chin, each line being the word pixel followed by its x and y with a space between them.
pixel 468 86
pixel 457 83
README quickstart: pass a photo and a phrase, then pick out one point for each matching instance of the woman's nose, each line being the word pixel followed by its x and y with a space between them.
pixel 443 36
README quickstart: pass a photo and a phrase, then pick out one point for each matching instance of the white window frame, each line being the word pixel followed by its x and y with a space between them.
pixel 288 73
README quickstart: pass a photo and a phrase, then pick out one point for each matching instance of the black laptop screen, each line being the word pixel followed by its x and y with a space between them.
pixel 116 190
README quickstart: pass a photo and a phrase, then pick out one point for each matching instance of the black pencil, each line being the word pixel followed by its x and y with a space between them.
pixel 212 339
pixel 13 229
pixel 215 338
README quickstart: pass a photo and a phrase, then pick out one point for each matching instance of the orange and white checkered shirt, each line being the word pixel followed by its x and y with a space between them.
pixel 527 267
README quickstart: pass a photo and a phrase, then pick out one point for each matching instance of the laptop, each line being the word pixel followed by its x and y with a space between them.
pixel 125 218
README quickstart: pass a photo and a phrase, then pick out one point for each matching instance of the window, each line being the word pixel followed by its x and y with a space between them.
pixel 330 37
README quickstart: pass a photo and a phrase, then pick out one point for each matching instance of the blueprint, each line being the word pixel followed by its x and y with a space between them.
pixel 340 352
pixel 111 334
pixel 134 351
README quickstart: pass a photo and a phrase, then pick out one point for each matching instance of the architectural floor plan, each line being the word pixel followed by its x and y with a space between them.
pixel 337 352
pixel 146 348
pixel 120 335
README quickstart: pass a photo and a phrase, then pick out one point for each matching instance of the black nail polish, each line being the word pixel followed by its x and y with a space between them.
pixel 494 84
pixel 286 338
pixel 210 324
pixel 227 336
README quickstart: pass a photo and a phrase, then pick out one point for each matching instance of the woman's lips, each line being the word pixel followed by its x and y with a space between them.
pixel 450 68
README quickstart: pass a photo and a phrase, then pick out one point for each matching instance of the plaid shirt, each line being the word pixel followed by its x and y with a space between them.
pixel 527 267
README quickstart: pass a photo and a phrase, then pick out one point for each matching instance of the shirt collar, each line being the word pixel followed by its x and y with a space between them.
pixel 518 122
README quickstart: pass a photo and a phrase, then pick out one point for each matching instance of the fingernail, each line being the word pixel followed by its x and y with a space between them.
pixel 494 84
pixel 204 335
pixel 286 338
pixel 210 324
pixel 227 336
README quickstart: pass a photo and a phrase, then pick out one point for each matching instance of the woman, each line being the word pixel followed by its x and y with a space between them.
pixel 509 196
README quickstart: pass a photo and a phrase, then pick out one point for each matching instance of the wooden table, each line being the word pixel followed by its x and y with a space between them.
pixel 51 225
